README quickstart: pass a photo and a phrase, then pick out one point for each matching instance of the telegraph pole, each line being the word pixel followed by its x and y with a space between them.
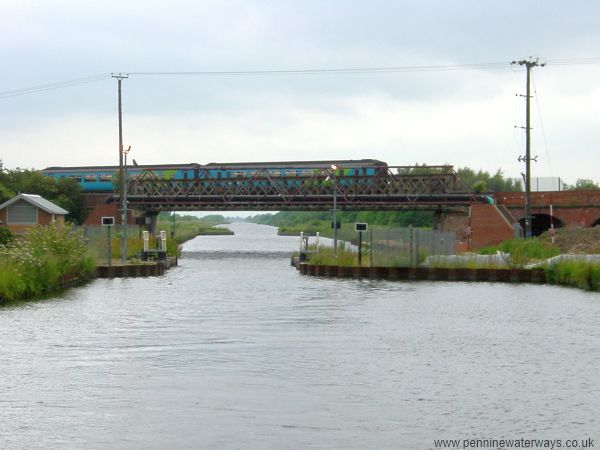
pixel 122 200
pixel 528 63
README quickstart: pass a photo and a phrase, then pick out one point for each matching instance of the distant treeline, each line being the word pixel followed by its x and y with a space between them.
pixel 319 220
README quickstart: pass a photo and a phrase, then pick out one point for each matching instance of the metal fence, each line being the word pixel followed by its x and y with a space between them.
pixel 408 246
pixel 398 247
pixel 97 238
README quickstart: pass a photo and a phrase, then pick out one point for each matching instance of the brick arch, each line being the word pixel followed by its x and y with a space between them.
pixel 541 223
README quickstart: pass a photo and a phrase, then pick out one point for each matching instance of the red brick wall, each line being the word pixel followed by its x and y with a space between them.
pixel 581 208
pixel 110 210
pixel 488 226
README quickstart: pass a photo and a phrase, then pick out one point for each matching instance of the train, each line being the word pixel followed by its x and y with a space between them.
pixel 103 178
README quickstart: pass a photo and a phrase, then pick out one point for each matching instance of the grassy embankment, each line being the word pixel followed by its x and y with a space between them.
pixel 182 229
pixel 579 274
pixel 41 262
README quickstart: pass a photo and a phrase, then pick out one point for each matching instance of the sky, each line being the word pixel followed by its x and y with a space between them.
pixel 466 118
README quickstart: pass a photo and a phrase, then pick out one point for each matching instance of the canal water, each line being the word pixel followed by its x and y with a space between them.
pixel 235 349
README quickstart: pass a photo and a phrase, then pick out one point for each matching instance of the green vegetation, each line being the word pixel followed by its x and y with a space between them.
pixel 311 222
pixel 38 262
pixel 324 256
pixel 482 181
pixel 524 251
pixel 581 184
pixel 65 192
pixel 5 236
pixel 580 274
pixel 183 228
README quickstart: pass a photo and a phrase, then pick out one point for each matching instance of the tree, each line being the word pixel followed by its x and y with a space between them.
pixel 581 184
pixel 482 181
pixel 65 192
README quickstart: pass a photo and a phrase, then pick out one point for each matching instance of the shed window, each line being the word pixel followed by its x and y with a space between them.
pixel 25 214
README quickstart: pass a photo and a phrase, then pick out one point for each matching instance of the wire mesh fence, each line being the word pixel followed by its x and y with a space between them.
pixel 102 239
pixel 408 246
pixel 397 247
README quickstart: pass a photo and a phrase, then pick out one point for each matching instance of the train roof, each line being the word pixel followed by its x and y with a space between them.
pixel 233 165
pixel 284 164
pixel 113 168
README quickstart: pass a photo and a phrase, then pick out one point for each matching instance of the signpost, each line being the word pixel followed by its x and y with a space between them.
pixel 108 222
pixel 360 227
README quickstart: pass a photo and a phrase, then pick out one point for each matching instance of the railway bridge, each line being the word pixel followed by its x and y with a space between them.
pixel 386 188
pixel 477 219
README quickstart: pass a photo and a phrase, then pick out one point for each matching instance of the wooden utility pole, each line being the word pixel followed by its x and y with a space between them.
pixel 528 63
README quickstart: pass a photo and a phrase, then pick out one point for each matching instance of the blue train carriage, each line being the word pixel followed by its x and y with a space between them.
pixel 104 178
pixel 91 179
pixel 289 173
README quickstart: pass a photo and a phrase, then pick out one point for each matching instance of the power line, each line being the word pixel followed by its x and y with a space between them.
pixel 336 71
pixel 56 85
pixel 316 71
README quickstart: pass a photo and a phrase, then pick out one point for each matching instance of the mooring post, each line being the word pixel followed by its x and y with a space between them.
pixel 360 248
pixel 109 254
pixel 371 247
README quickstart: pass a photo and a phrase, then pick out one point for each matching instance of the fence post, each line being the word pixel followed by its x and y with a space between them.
pixel 410 245
pixel 371 247
pixel 417 248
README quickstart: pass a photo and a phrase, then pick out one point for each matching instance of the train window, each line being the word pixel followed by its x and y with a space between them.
pixel 276 173
pixel 290 173
pixel 219 175
pixel 105 178
pixel 90 178
pixel 239 174
pixel 356 172
pixel 185 175
pixel 76 178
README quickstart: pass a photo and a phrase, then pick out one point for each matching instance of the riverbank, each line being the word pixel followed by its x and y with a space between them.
pixel 577 274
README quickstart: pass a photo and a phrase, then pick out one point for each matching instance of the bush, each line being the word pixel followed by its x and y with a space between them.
pixel 523 251
pixel 36 263
pixel 5 236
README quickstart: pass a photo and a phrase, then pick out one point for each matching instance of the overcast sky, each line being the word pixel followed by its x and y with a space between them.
pixel 458 117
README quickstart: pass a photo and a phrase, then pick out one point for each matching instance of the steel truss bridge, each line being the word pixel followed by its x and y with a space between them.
pixel 389 188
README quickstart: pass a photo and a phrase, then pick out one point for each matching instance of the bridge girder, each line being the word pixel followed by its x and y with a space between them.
pixel 411 187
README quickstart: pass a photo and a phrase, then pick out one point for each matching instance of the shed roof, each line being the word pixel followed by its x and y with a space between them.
pixel 38 202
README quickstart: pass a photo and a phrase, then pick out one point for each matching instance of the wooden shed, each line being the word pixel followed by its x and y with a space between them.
pixel 28 210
